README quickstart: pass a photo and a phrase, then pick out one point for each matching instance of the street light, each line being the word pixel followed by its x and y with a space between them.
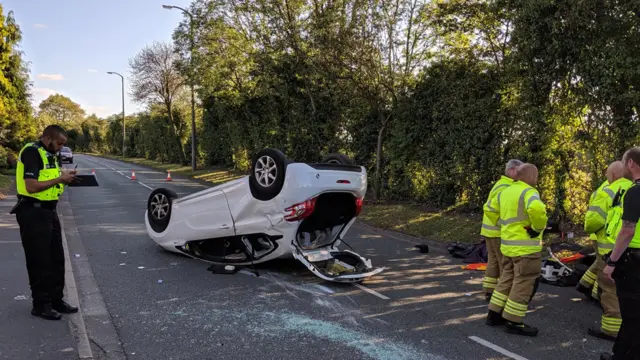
pixel 193 101
pixel 123 124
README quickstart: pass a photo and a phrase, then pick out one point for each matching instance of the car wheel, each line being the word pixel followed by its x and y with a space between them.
pixel 336 158
pixel 159 208
pixel 267 174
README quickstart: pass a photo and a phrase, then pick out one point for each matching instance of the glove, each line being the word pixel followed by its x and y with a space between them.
pixel 532 233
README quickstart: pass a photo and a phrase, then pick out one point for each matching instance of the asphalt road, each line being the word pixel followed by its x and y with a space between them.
pixel 141 302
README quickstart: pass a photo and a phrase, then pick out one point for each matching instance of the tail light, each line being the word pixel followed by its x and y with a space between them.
pixel 300 211
pixel 359 202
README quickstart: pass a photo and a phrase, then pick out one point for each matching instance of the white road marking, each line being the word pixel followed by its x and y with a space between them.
pixel 497 348
pixel 10 242
pixel 372 292
pixel 145 185
pixel 84 347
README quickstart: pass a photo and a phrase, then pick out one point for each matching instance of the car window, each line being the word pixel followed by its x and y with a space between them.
pixel 66 149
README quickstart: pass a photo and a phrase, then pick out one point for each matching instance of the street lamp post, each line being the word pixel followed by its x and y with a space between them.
pixel 123 123
pixel 193 101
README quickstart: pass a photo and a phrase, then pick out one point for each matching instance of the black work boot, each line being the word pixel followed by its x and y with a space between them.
pixel 488 297
pixel 520 329
pixel 600 334
pixel 495 319
pixel 584 290
pixel 46 312
pixel 64 308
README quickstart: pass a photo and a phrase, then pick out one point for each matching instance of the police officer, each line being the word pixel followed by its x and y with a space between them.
pixel 523 218
pixel 490 231
pixel 40 182
pixel 623 265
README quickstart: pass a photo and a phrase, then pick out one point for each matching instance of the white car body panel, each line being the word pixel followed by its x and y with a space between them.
pixel 230 209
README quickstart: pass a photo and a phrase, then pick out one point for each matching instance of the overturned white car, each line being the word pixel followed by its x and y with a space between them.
pixel 283 208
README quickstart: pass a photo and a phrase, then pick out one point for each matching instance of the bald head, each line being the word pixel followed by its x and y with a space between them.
pixel 528 173
pixel 615 171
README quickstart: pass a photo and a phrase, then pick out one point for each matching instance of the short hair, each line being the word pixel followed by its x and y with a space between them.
pixel 632 154
pixel 53 131
pixel 513 163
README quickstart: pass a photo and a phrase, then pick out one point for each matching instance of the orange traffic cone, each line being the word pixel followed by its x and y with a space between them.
pixel 168 175
pixel 133 175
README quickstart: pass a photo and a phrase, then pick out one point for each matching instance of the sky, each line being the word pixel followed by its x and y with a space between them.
pixel 71 44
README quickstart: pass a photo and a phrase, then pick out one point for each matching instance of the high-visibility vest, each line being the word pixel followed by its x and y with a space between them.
pixel 596 216
pixel 614 221
pixel 489 227
pixel 520 207
pixel 50 170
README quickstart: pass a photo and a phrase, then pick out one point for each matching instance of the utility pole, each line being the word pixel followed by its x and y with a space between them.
pixel 191 81
pixel 124 133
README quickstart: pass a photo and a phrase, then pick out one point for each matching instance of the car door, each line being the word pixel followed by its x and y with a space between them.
pixel 206 216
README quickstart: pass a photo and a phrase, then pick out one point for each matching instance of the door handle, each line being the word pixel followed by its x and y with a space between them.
pixel 224 226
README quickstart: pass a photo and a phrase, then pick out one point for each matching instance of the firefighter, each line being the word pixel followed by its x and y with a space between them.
pixel 594 224
pixel 523 218
pixel 611 321
pixel 40 182
pixel 490 232
pixel 623 264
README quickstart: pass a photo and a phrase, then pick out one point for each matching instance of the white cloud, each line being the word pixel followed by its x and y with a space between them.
pixel 40 26
pixel 92 70
pixel 40 94
pixel 54 77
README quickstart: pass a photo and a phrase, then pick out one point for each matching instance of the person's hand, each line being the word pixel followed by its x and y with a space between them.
pixel 532 233
pixel 67 177
pixel 608 272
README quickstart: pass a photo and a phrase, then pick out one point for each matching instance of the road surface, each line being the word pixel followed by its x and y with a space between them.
pixel 141 302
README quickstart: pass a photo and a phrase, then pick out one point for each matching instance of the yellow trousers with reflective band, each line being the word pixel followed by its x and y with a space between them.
pixel 590 278
pixel 515 287
pixel 494 265
pixel 611 317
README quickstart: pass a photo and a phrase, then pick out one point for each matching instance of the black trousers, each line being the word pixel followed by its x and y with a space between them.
pixel 627 277
pixel 42 243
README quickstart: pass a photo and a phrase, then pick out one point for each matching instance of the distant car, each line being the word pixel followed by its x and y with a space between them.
pixel 66 155
pixel 282 209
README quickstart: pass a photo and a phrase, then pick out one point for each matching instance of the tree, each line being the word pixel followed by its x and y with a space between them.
pixel 156 79
pixel 62 109
pixel 15 105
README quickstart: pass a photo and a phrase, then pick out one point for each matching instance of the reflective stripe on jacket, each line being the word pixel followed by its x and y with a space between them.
pixel 520 207
pixel 489 227
pixel 596 216
pixel 614 219
pixel 49 171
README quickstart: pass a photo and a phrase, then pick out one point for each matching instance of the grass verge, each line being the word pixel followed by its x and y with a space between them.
pixel 442 226
pixel 6 179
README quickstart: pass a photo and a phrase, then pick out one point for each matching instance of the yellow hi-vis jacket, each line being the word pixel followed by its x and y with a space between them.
pixel 596 216
pixel 490 228
pixel 614 216
pixel 519 206
pixel 51 170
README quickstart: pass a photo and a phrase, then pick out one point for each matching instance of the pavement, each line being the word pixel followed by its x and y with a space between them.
pixel 22 335
pixel 141 302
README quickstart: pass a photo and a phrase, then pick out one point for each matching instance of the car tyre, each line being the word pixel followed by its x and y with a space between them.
pixel 267 174
pixel 159 208
pixel 336 158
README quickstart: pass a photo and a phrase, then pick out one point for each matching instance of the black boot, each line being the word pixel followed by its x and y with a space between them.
pixel 495 319
pixel 600 334
pixel 64 308
pixel 584 290
pixel 46 312
pixel 488 297
pixel 520 329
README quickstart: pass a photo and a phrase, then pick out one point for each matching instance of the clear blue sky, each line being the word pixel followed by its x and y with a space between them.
pixel 71 44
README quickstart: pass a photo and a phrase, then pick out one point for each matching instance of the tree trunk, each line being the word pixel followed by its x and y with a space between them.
pixel 176 134
pixel 377 187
